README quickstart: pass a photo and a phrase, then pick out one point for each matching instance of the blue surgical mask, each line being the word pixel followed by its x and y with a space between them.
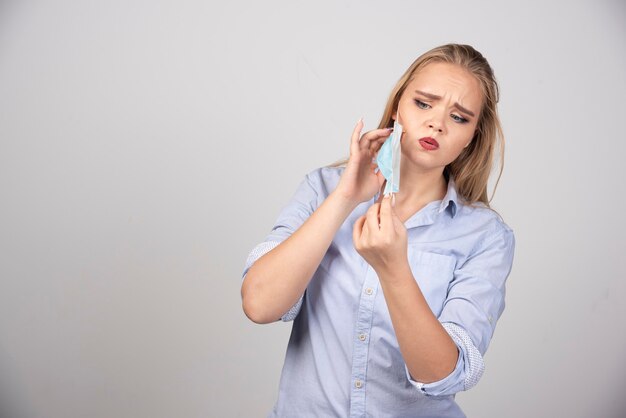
pixel 388 159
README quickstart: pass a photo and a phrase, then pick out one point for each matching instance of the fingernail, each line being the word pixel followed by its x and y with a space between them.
pixel 393 200
pixel 390 128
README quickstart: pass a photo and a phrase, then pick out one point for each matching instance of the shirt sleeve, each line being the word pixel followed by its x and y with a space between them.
pixel 292 216
pixel 474 303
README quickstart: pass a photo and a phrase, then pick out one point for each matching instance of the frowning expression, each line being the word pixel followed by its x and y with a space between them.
pixel 439 111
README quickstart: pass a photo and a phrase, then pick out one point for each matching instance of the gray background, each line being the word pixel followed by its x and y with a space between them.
pixel 147 146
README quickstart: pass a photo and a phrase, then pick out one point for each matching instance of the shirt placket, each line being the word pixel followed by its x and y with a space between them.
pixel 361 341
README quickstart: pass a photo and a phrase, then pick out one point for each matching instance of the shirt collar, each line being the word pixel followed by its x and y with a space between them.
pixel 429 213
pixel 450 199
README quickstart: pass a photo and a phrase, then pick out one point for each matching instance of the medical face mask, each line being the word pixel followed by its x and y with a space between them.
pixel 388 159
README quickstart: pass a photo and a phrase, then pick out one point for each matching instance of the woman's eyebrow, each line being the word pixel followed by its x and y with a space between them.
pixel 435 97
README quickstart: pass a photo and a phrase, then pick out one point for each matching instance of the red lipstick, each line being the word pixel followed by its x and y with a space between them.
pixel 429 143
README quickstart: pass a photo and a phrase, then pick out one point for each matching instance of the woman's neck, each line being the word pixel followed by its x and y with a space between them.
pixel 417 189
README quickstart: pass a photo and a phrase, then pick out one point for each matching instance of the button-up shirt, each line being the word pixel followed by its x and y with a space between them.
pixel 343 358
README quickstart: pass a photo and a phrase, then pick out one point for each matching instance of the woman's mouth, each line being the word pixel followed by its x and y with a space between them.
pixel 428 143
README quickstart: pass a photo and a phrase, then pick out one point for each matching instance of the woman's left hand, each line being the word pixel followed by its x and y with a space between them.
pixel 380 237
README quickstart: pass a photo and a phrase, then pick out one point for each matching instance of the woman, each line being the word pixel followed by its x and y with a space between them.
pixel 395 298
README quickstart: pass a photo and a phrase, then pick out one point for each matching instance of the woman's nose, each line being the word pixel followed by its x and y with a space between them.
pixel 435 121
pixel 435 125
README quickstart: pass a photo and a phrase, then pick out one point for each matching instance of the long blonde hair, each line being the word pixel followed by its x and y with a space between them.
pixel 473 166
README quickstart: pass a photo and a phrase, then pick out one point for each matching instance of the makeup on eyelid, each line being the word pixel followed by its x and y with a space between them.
pixel 419 104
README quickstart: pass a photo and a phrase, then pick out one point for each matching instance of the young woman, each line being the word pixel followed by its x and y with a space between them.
pixel 394 298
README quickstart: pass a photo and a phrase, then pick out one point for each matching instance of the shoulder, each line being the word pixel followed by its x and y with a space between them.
pixel 324 179
pixel 491 225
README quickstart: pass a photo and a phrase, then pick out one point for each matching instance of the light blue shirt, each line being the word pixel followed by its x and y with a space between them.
pixel 343 358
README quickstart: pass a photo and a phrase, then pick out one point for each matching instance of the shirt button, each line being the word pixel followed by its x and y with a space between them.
pixel 369 291
pixel 362 337
pixel 358 384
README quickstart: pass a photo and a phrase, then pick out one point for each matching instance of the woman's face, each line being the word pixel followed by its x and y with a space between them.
pixel 439 112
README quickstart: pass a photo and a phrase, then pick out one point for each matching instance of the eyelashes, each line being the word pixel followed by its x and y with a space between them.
pixel 420 104
pixel 459 118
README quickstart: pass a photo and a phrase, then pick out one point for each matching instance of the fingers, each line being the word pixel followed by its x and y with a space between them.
pixel 389 219
pixel 386 220
pixel 371 140
pixel 356 231
pixel 372 221
pixel 374 139
pixel 356 134
pixel 378 228
pixel 381 180
pixel 376 144
pixel 381 194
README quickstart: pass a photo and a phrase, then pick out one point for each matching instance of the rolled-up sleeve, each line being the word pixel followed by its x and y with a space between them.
pixel 303 203
pixel 474 303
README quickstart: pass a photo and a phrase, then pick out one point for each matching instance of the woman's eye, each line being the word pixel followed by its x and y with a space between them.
pixel 456 118
pixel 421 104
pixel 459 119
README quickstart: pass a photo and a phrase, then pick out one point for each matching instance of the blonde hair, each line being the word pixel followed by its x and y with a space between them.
pixel 473 166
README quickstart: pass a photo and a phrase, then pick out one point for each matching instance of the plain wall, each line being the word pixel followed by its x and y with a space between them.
pixel 147 146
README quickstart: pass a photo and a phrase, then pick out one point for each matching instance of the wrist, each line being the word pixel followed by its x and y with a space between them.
pixel 343 202
pixel 395 273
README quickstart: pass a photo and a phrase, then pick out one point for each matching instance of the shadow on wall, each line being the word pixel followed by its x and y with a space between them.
pixel 12 403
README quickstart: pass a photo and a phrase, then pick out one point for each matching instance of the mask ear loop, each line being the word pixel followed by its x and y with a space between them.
pixel 400 123
pixel 396 122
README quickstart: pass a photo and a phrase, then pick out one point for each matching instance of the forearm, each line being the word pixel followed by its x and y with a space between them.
pixel 428 351
pixel 276 281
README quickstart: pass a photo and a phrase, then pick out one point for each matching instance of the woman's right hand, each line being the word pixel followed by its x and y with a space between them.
pixel 359 183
